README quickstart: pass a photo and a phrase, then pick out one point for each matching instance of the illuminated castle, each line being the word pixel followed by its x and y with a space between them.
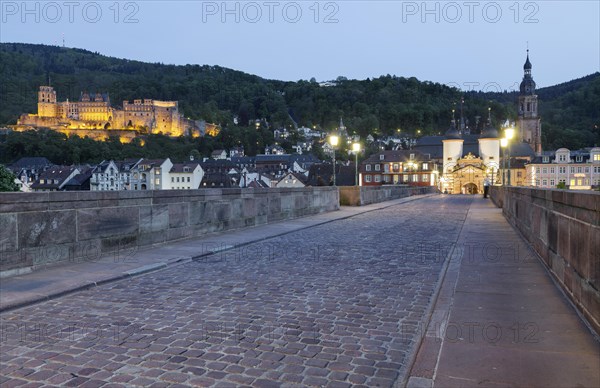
pixel 93 116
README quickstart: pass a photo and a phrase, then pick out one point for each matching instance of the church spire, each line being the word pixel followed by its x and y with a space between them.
pixel 528 84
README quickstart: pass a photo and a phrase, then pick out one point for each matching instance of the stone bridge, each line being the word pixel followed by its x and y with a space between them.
pixel 430 290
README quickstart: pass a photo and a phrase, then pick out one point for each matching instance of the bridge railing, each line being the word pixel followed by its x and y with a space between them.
pixel 563 226
pixel 364 195
pixel 37 229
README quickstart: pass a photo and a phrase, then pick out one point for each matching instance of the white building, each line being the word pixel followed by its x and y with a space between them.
pixel 107 177
pixel 577 170
pixel 291 180
pixel 150 174
pixel 185 176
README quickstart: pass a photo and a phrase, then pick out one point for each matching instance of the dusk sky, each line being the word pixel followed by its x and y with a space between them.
pixel 478 45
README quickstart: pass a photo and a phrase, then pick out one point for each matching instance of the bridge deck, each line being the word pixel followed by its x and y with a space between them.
pixel 337 299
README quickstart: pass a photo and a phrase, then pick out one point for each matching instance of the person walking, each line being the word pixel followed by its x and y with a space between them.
pixel 486 187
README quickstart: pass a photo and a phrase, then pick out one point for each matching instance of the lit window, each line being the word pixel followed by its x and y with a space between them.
pixel 425 166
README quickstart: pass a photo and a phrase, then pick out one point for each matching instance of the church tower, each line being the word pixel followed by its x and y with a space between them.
pixel 529 122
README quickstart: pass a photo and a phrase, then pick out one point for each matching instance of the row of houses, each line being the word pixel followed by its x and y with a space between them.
pixel 39 174
pixel 577 170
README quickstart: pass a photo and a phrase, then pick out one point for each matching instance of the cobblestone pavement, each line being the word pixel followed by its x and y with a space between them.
pixel 332 305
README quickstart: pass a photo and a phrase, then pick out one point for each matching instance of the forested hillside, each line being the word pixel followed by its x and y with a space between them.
pixel 379 106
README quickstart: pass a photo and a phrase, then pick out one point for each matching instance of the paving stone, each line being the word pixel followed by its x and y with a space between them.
pixel 314 307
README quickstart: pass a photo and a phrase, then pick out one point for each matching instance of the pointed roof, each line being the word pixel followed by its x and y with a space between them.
pixel 527 65
pixel 452 132
pixel 489 132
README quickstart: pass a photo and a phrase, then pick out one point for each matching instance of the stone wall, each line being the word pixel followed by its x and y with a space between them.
pixel 359 196
pixel 563 227
pixel 45 228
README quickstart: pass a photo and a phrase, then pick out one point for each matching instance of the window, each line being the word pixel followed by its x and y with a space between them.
pixel 158 171
pixel 537 170
pixel 396 167
pixel 157 181
pixel 425 177
pixel 597 169
pixel 172 179
pixel 368 167
pixel 596 158
pixel 572 170
pixel 545 159
pixel 544 182
pixel 415 178
pixel 562 170
pixel 386 168
pixel 188 179
pixel 552 182
pixel 587 170
pixel 579 170
pixel 386 178
pixel 412 156
pixel 562 158
pixel 367 178
pixel 579 158
pixel 377 167
pixel 552 170
pixel 544 170
pixel 381 157
pixel 572 183
pixel 425 166
pixel 377 178
pixel 519 174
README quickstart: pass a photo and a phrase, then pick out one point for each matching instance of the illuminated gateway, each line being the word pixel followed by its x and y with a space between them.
pixel 93 116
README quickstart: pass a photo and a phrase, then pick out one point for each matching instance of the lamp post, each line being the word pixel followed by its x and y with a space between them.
pixel 333 140
pixel 356 150
pixel 508 134
pixel 503 144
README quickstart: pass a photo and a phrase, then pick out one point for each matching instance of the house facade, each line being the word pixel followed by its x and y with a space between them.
pixel 407 167
pixel 577 170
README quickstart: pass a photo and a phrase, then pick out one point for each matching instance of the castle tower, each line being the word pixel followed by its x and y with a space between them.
pixel 529 123
pixel 47 106
pixel 489 145
pixel 453 146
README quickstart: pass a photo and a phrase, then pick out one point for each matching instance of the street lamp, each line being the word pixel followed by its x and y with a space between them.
pixel 334 140
pixel 503 144
pixel 509 133
pixel 356 150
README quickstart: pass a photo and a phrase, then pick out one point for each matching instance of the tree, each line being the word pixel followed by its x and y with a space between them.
pixel 7 180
